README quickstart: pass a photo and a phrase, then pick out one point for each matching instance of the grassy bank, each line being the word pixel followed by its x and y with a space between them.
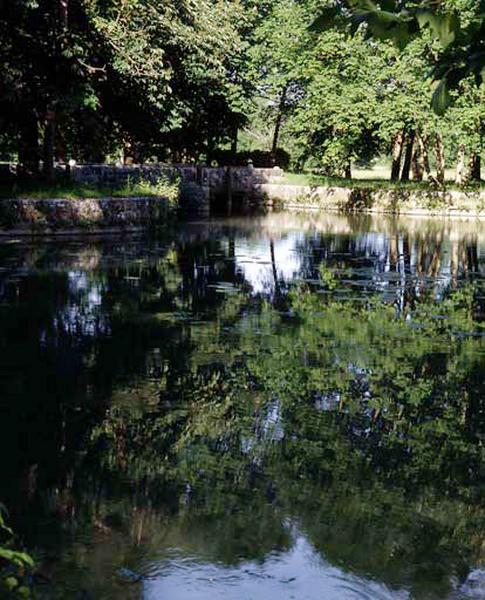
pixel 73 191
pixel 314 180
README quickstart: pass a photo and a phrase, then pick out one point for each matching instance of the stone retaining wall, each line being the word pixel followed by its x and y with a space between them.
pixel 267 186
pixel 199 184
pixel 241 179
pixel 399 201
pixel 87 214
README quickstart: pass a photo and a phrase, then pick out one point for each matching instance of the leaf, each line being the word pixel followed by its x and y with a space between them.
pixel 23 592
pixel 18 558
pixel 444 26
pixel 10 582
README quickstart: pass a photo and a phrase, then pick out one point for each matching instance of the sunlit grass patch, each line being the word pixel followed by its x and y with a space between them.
pixel 73 191
pixel 366 179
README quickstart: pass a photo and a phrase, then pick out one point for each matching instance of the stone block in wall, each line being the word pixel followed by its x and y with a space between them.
pixel 54 214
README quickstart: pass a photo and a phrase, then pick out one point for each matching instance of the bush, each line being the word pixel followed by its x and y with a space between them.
pixel 15 566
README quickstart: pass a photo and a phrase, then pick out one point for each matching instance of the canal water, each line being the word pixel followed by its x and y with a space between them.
pixel 264 408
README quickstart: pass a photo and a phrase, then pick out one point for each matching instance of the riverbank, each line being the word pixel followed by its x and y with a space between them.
pixel 148 195
pixel 419 202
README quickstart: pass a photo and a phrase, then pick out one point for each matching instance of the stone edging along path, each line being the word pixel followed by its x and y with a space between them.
pixel 440 203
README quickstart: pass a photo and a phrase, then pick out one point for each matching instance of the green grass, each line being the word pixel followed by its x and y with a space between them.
pixel 365 179
pixel 73 191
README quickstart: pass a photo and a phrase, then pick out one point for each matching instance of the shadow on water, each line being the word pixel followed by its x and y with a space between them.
pixel 269 407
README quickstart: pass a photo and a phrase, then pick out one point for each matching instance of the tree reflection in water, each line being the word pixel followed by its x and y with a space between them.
pixel 243 398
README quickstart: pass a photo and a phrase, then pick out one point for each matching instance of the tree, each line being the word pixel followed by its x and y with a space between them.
pixel 462 39
pixel 277 56
pixel 145 73
pixel 465 125
pixel 336 122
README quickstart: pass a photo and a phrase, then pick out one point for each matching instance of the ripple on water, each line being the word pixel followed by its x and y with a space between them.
pixel 299 574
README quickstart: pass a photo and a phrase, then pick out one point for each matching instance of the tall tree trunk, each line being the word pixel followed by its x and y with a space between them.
pixel 417 162
pixel 276 134
pixel 423 151
pixel 420 257
pixel 435 264
pixel 279 120
pixel 49 145
pixel 475 167
pixel 408 156
pixel 348 169
pixel 397 149
pixel 29 142
pixel 232 255
pixel 472 253
pixel 60 24
pixel 440 158
pixel 460 166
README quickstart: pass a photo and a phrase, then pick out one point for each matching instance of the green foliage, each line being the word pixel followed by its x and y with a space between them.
pixel 192 80
pixel 461 42
pixel 162 187
pixel 138 76
pixel 351 97
pixel 14 564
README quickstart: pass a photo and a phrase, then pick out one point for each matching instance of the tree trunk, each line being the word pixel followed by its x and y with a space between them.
pixel 454 263
pixel 29 142
pixel 348 170
pixel 397 149
pixel 460 166
pixel 49 145
pixel 276 134
pixel 475 167
pixel 423 151
pixel 417 162
pixel 279 119
pixel 408 156
pixel 440 159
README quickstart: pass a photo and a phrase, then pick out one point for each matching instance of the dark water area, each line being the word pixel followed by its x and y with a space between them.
pixel 289 406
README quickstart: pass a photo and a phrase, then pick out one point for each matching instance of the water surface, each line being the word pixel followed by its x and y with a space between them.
pixel 289 406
